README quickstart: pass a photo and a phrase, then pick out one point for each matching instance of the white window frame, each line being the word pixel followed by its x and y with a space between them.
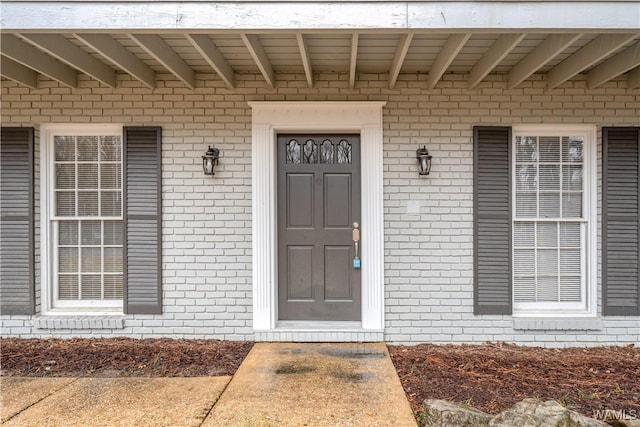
pixel 587 307
pixel 49 255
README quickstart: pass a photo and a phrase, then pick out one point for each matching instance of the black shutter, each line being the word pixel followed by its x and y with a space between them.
pixel 142 220
pixel 620 221
pixel 492 220
pixel 16 221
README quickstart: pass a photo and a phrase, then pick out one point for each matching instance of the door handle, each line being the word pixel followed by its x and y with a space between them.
pixel 355 234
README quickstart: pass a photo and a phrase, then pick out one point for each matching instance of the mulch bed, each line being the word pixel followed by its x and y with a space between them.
pixel 120 357
pixel 493 377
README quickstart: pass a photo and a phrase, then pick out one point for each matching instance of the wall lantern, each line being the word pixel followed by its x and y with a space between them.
pixel 424 160
pixel 209 160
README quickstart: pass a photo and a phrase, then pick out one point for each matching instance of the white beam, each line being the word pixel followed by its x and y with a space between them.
pixel 354 60
pixel 12 70
pixel 492 57
pixel 29 56
pixel 594 51
pixel 398 59
pixel 106 46
pixel 162 52
pixel 260 57
pixel 633 79
pixel 306 59
pixel 543 53
pixel 447 54
pixel 67 52
pixel 210 52
pixel 177 16
pixel 613 67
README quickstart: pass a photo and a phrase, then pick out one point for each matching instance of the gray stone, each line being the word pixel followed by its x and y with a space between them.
pixel 536 413
pixel 442 413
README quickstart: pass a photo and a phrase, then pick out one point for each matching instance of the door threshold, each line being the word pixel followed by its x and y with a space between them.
pixel 319 331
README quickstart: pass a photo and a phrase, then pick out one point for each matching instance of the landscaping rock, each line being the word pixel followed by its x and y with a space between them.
pixel 536 413
pixel 442 413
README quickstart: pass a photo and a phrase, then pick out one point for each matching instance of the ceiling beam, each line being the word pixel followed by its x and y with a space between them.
pixel 210 52
pixel 27 55
pixel 67 52
pixel 17 72
pixel 624 61
pixel 633 79
pixel 492 57
pixel 594 51
pixel 445 57
pixel 252 42
pixel 353 60
pixel 306 59
pixel 162 52
pixel 398 59
pixel 120 56
pixel 543 53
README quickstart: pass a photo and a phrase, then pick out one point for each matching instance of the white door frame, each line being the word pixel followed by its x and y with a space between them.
pixel 267 120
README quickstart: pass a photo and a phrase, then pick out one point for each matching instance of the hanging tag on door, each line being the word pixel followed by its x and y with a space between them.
pixel 356 263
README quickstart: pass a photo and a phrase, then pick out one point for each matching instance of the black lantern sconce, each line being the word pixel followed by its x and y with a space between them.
pixel 209 160
pixel 424 160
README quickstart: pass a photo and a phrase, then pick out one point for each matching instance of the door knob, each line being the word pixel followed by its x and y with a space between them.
pixel 355 234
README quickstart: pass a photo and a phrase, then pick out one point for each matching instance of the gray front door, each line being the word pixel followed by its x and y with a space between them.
pixel 318 202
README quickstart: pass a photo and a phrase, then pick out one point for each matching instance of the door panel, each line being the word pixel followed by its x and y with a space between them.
pixel 318 202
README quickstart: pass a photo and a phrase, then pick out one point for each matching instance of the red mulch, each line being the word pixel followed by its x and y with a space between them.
pixel 120 357
pixel 493 377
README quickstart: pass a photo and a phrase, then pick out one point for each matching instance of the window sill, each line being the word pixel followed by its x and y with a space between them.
pixel 78 322
pixel 557 324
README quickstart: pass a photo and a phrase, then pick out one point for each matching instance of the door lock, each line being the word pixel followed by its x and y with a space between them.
pixel 356 243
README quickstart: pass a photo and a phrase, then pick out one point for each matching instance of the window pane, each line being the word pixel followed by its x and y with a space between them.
pixel 549 205
pixel 570 262
pixel 523 234
pixel 67 287
pixel 91 233
pixel 113 260
pixel 88 203
pixel 88 176
pixel 67 260
pixel 68 233
pixel 547 234
pixel 526 205
pixel 572 205
pixel 547 262
pixel 91 287
pixel 547 289
pixel 571 177
pixel 110 148
pixel 111 203
pixel 65 203
pixel 91 262
pixel 88 148
pixel 524 262
pixel 549 178
pixel 65 148
pixel 572 150
pixel 113 232
pixel 571 289
pixel 65 177
pixel 570 235
pixel 524 289
pixel 526 149
pixel 549 148
pixel 110 176
pixel 526 178
pixel 113 286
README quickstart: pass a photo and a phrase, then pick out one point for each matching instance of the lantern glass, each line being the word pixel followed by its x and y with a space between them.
pixel 424 160
pixel 209 160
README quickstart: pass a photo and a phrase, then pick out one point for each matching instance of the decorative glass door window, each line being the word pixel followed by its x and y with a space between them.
pixel 550 222
pixel 86 220
pixel 322 151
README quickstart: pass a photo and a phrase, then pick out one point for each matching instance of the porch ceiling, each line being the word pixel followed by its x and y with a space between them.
pixel 38 40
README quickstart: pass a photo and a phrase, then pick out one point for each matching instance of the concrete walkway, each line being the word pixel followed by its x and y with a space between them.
pixel 278 384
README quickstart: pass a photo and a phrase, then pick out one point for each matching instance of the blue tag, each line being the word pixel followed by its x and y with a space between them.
pixel 356 263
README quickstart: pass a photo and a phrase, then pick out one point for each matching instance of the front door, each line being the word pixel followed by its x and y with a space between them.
pixel 318 204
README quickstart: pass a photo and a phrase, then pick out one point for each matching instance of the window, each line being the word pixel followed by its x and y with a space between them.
pixel 85 222
pixel 553 219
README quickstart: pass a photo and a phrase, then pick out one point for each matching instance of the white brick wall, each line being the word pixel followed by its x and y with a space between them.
pixel 207 221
